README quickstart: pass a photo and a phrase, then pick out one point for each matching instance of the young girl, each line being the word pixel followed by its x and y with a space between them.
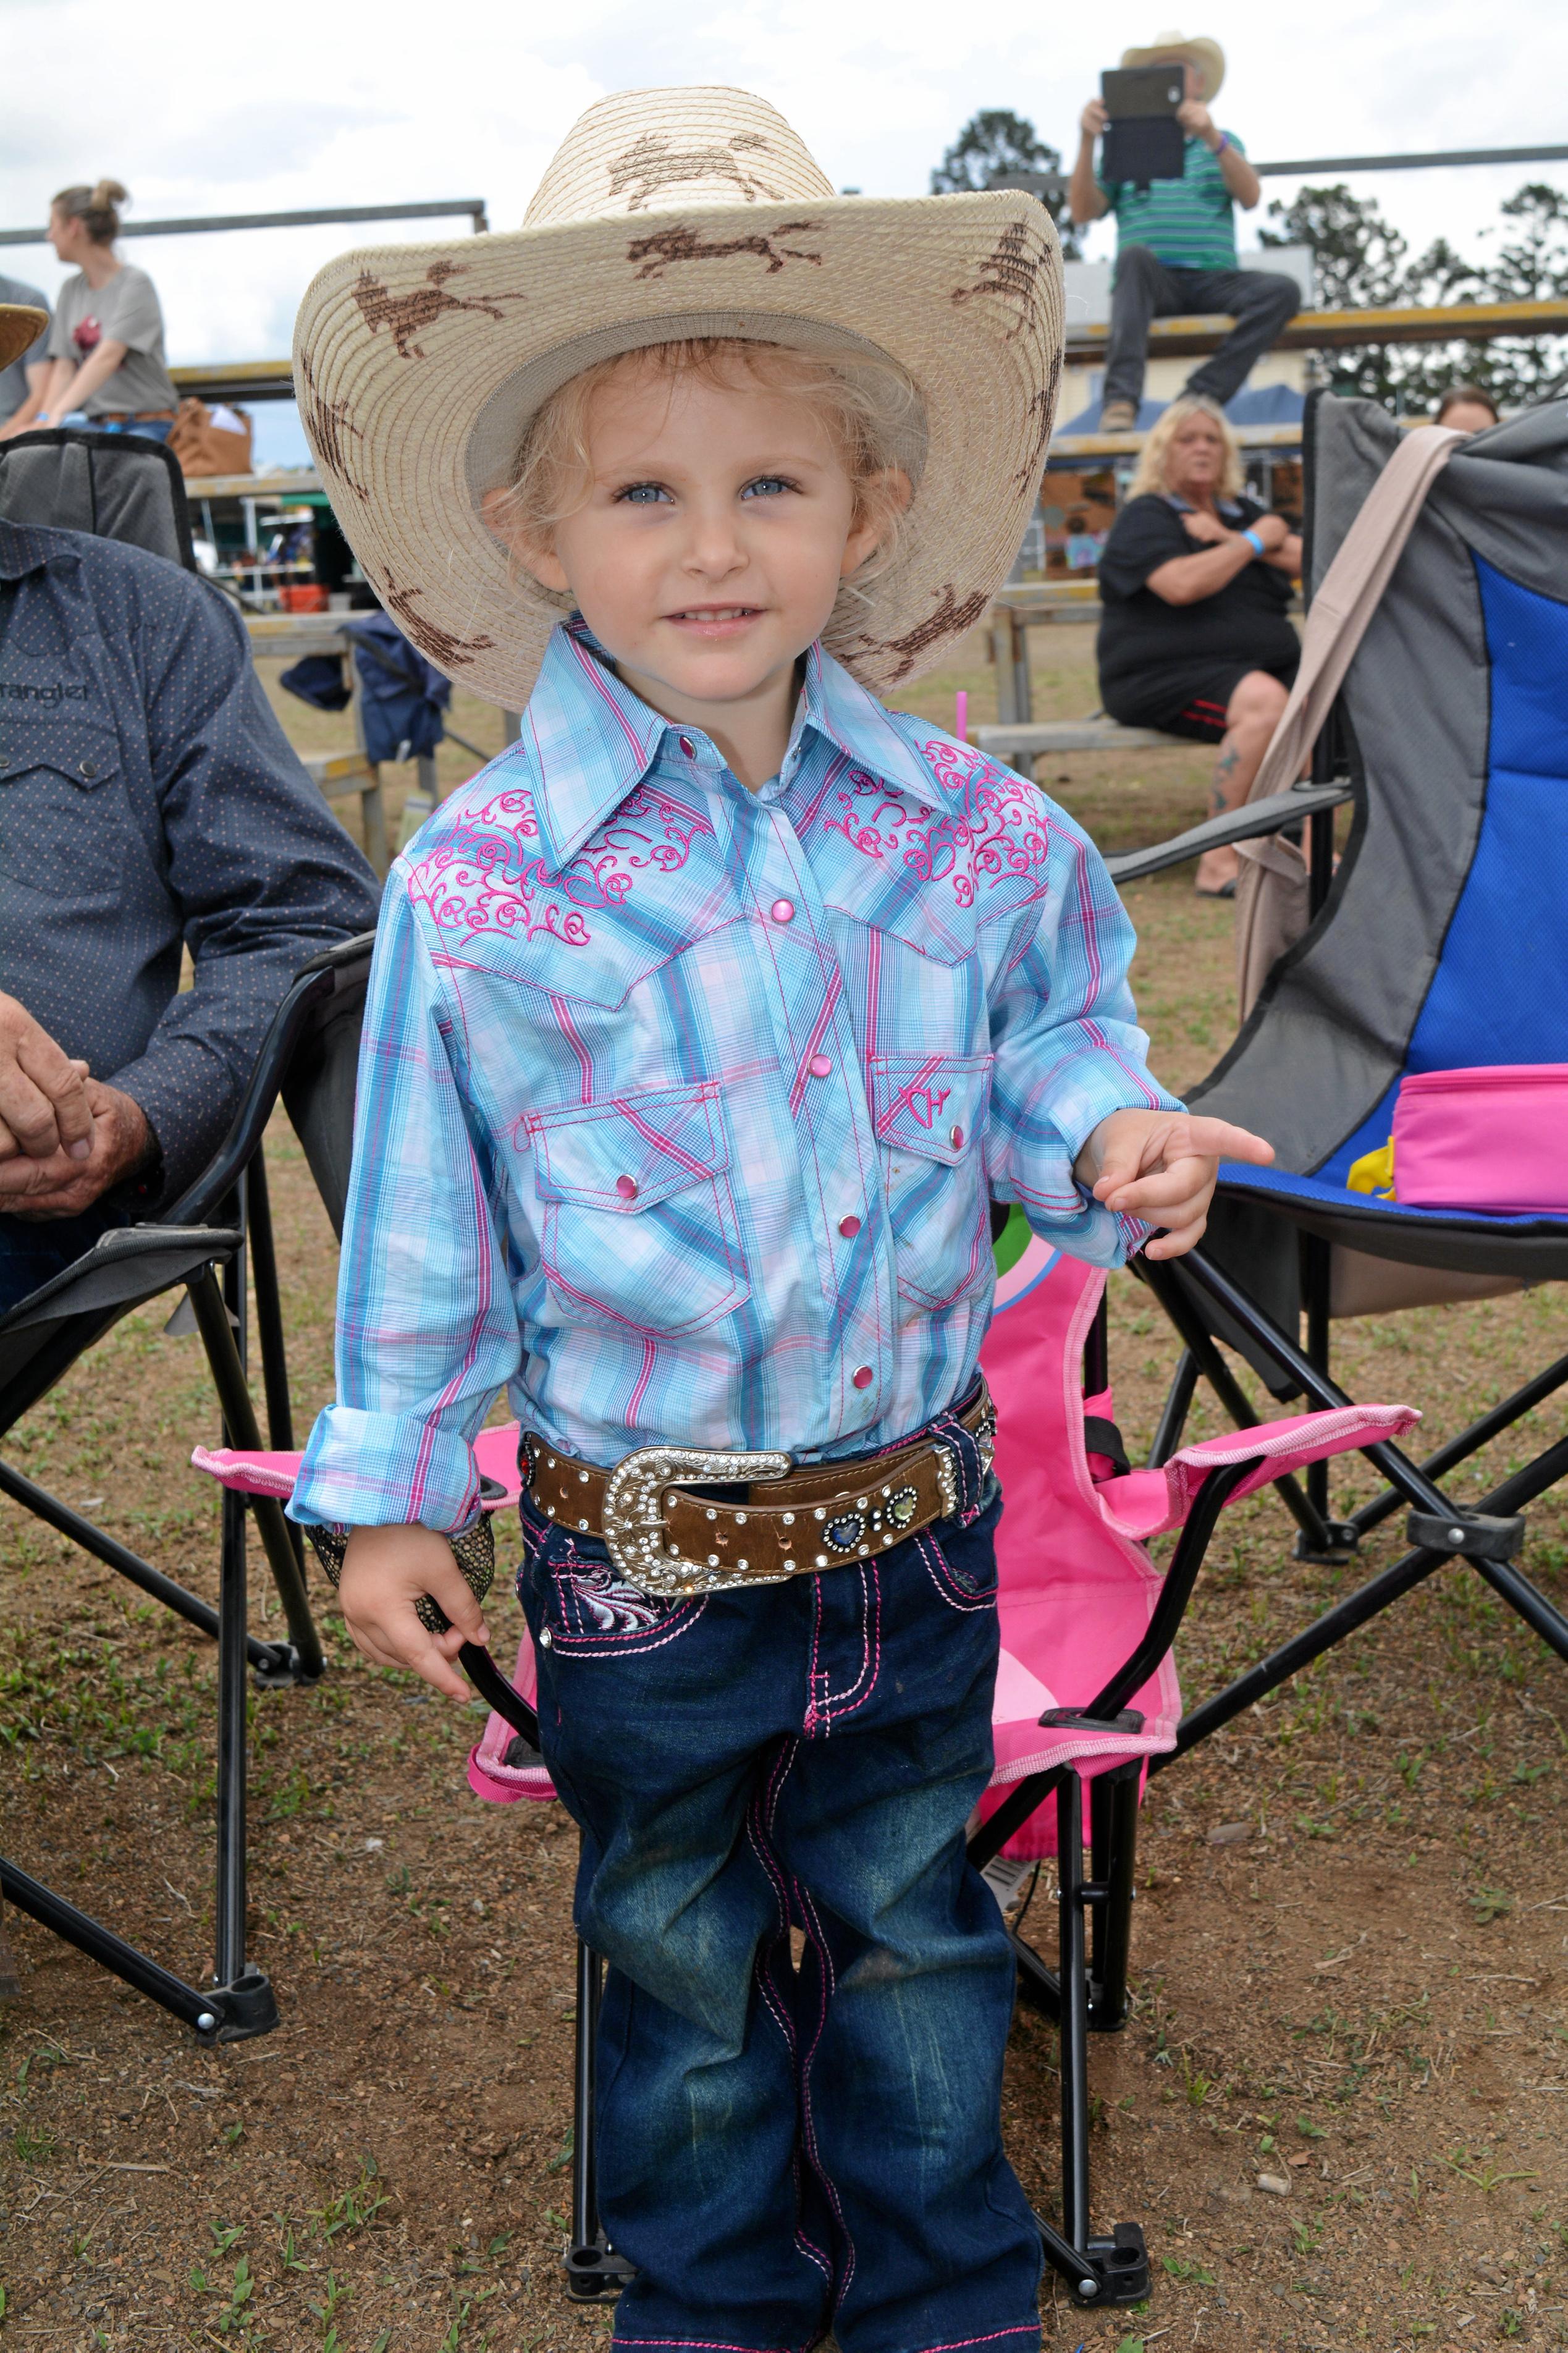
pixel 705 1025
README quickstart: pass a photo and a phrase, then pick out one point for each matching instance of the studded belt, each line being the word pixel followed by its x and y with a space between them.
pixel 669 1533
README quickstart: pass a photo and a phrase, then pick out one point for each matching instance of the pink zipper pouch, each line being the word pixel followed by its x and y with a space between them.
pixel 1495 1139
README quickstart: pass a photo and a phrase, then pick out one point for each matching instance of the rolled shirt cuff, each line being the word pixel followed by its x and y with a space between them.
pixel 1066 1110
pixel 366 1470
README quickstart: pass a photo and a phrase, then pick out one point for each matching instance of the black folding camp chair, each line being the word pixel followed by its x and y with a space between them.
pixel 203 1241
pixel 1441 942
pixel 125 487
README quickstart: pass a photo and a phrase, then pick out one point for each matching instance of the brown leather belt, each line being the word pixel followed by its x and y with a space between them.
pixel 671 1541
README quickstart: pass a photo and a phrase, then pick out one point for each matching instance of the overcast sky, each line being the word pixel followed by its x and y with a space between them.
pixel 300 102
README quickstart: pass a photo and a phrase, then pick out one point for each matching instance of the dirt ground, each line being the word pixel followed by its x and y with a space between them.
pixel 1350 1953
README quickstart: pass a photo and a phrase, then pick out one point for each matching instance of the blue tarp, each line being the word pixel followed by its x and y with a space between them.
pixel 1264 404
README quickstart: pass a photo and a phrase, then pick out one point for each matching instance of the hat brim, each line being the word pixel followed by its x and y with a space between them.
pixel 20 326
pixel 418 366
pixel 1208 56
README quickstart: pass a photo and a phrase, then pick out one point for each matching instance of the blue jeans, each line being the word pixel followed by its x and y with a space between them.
pixel 153 428
pixel 781 2152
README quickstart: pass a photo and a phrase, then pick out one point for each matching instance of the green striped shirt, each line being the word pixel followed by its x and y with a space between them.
pixel 1188 224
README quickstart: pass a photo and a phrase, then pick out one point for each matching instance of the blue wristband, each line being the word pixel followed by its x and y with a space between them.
pixel 1254 542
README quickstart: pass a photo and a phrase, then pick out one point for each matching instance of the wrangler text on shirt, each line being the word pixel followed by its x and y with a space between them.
pixel 681 1107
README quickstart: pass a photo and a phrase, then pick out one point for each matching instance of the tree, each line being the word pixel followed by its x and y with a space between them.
pixel 1362 262
pixel 995 144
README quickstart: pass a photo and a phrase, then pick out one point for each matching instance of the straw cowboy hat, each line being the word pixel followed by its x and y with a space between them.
pixel 667 214
pixel 21 327
pixel 1208 56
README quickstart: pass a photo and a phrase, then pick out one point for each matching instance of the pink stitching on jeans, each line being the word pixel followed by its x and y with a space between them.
pixel 814 1931
pixel 958 2344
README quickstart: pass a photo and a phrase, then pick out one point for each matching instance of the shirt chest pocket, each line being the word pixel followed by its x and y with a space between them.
pixel 929 1112
pixel 638 1229
pixel 61 833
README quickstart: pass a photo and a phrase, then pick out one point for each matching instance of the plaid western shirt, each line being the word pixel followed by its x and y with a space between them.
pixel 681 1106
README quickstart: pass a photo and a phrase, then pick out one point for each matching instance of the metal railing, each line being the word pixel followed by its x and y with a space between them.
pixel 445 208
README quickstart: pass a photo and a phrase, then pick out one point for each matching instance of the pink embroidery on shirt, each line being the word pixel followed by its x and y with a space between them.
pixel 1000 832
pixel 487 874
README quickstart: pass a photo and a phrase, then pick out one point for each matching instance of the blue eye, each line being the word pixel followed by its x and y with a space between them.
pixel 766 486
pixel 641 494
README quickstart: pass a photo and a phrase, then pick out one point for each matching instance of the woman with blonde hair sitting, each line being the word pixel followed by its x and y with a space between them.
pixel 105 348
pixel 1194 580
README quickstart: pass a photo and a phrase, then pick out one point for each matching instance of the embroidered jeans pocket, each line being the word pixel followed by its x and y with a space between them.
pixel 638 1228
pixel 929 1116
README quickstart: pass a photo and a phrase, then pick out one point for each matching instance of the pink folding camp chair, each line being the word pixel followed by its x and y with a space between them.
pixel 1086 1692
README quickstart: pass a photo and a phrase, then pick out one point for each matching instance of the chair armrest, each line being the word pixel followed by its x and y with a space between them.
pixel 1245 824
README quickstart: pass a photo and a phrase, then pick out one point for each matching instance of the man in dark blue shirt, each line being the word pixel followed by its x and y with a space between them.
pixel 149 802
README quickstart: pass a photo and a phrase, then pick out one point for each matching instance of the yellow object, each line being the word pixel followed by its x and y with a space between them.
pixel 1373 1173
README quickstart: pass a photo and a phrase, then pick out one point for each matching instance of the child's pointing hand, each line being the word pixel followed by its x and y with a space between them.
pixel 1161 1166
pixel 385 1570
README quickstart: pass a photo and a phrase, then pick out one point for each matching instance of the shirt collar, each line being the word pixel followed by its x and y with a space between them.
pixel 27 547
pixel 578 701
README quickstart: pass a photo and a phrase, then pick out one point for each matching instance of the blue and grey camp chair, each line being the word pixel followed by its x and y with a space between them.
pixel 1441 944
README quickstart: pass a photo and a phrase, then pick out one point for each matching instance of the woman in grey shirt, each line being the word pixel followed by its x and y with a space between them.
pixel 106 343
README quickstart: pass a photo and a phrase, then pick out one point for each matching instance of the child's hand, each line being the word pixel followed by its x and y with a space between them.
pixel 384 1572
pixel 1161 1166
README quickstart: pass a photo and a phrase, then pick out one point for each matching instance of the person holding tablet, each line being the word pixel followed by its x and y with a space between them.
pixel 1176 242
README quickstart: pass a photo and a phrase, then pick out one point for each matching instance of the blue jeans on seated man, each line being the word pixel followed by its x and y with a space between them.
pixel 34 1248
pixel 155 429
pixel 1259 301
pixel 785 2151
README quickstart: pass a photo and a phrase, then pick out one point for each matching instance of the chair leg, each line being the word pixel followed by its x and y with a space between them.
pixel 1174 1413
pixel 594 2272
pixel 242 1982
pixel 242 1430
pixel 1113 2271
pixel 1113 1817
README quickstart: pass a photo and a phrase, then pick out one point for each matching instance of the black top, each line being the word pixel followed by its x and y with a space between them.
pixel 150 801
pixel 1245 622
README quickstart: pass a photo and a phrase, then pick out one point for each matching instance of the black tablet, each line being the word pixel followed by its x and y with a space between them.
pixel 1144 141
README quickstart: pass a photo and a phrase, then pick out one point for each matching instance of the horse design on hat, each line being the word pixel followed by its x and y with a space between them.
pixel 682 243
pixel 440 646
pixel 408 315
pixel 1012 270
pixel 653 162
pixel 327 422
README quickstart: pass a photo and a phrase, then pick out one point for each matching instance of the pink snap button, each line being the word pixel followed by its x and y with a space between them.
pixel 863 1376
pixel 820 1065
pixel 688 747
pixel 782 911
pixel 626 1187
pixel 955 1137
pixel 849 1228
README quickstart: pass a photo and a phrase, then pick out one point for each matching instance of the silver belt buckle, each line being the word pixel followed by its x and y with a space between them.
pixel 635 1535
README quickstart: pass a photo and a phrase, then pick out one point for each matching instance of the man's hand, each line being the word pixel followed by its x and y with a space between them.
pixel 1197 121
pixel 1160 1166
pixel 59 1184
pixel 43 1096
pixel 384 1572
pixel 1093 118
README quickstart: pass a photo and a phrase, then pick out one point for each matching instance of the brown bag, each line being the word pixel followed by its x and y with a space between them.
pixel 200 446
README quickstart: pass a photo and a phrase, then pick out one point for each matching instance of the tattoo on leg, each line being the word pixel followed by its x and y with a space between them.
pixel 1224 769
